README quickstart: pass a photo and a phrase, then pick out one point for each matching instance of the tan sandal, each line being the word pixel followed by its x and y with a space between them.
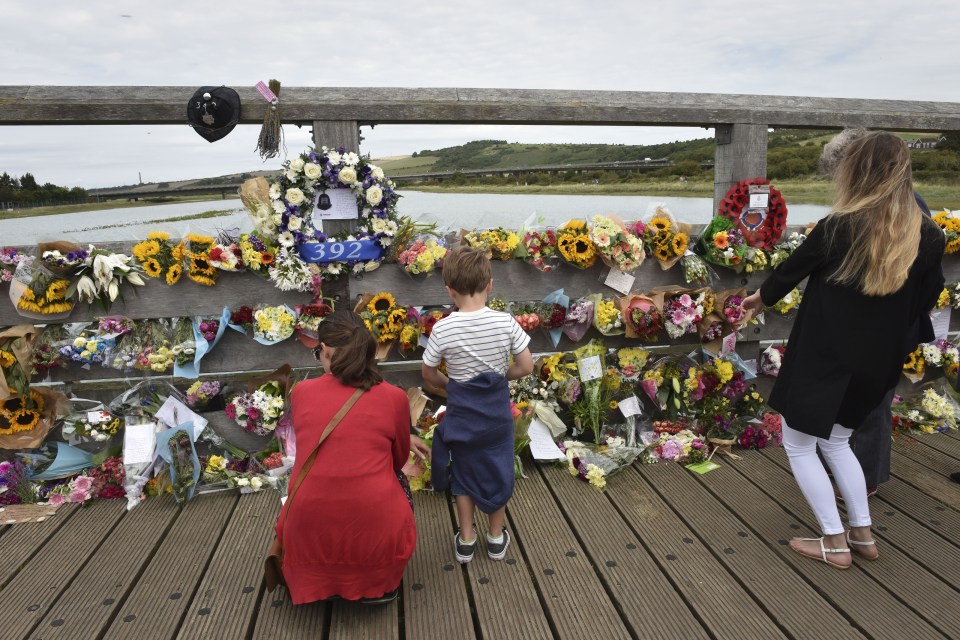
pixel 854 544
pixel 823 553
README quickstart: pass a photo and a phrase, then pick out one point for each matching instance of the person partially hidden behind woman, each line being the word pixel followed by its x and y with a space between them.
pixel 874 268
pixel 349 530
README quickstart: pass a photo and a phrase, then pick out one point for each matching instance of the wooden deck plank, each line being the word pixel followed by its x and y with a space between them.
pixel 723 606
pixel 935 460
pixel 36 588
pixel 161 596
pixel 572 593
pixel 926 597
pixel 435 599
pixel 771 582
pixel 87 606
pixel 629 573
pixel 924 509
pixel 942 443
pixel 228 594
pixel 280 619
pixel 936 485
pixel 21 542
pixel 355 621
pixel 505 597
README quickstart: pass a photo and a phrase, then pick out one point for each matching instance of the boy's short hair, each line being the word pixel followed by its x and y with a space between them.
pixel 467 270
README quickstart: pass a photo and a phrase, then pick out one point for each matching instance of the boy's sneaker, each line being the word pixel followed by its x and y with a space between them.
pixel 463 551
pixel 498 550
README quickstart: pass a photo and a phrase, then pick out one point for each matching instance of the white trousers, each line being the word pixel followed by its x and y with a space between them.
pixel 815 484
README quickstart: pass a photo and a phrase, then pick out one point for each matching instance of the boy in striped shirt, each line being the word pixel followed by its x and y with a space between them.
pixel 475 436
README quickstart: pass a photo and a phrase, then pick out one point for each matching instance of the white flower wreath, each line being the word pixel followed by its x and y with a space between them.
pixel 292 197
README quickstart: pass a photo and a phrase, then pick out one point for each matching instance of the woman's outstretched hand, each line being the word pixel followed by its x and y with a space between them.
pixel 419 447
pixel 752 304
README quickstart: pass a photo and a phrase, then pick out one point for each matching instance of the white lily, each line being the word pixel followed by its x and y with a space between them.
pixel 86 289
pixel 134 278
pixel 113 290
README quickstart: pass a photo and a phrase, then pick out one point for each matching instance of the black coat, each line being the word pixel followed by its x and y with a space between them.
pixel 847 349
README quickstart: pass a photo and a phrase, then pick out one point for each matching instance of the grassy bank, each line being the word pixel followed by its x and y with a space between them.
pixel 100 206
pixel 938 196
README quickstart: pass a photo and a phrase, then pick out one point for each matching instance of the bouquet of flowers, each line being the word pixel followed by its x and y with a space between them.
pixel 156 353
pixel 241 319
pixel 950 223
pixel 618 248
pixel 159 257
pixel 595 464
pixel 39 293
pixel 539 249
pixel 86 349
pixel 10 258
pixel 108 479
pixel 751 403
pixel 695 270
pixel 97 426
pixel 204 395
pixel 383 317
pixel 257 252
pixel 184 343
pixel 421 256
pixel 631 361
pixel 606 315
pixel 641 317
pixel 309 318
pixel 575 246
pixel 672 384
pixel 288 272
pixel 409 338
pixel 44 355
pixel 730 305
pixel 723 244
pixel 755 259
pixel 259 411
pixel 771 359
pixel 598 385
pixel 915 365
pixel 552 312
pixel 783 249
pixel 682 446
pixel 927 411
pixel 77 491
pixel 664 238
pixel 579 318
pixel 683 312
pixel 418 470
pixel 199 267
pixel 430 317
pixel 786 305
pixel 273 324
pixel 225 253
pixel 526 314
pixel 500 242
pixel 523 413
pixel 15 485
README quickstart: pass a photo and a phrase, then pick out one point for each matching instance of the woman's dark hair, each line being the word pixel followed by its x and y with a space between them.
pixel 354 361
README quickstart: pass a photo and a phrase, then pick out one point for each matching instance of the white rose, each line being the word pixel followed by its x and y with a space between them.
pixel 291 175
pixel 274 191
pixel 277 219
pixel 374 195
pixel 376 172
pixel 242 482
pixel 334 157
pixel 296 164
pixel 351 158
pixel 348 175
pixel 379 225
pixel 256 483
pixel 294 223
pixel 370 266
pixel 312 170
pixel 263 211
pixel 294 196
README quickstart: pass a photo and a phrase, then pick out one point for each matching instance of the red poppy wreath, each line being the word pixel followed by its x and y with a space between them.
pixel 761 233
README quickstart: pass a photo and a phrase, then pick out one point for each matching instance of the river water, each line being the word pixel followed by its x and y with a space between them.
pixel 448 210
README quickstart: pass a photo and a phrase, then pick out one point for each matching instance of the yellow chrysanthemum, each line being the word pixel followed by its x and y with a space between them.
pixel 173 274
pixel 943 300
pixel 383 301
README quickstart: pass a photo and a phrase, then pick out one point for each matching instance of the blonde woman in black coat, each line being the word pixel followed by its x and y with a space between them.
pixel 873 268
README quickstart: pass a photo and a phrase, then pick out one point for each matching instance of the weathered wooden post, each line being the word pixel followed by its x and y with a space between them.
pixel 741 154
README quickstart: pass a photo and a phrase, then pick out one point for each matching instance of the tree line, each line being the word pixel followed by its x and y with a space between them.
pixel 26 191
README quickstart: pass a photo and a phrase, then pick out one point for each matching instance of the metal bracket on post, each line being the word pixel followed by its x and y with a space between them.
pixel 723 133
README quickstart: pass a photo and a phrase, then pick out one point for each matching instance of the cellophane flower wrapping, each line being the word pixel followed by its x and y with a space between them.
pixel 579 319
pixel 606 315
pixel 421 255
pixel 696 271
pixel 84 346
pixel 642 317
pixel 723 244
pixel 553 314
pixel 38 293
pixel 595 464
pixel 663 237
pixel 538 248
pixel 617 246
pixel 932 408
pixel 771 359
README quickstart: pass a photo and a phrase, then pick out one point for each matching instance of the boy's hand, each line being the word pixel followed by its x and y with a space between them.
pixel 420 448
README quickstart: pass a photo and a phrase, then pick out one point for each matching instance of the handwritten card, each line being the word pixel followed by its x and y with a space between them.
pixel 941 322
pixel 630 406
pixel 139 441
pixel 590 368
pixel 173 413
pixel 620 281
pixel 542 445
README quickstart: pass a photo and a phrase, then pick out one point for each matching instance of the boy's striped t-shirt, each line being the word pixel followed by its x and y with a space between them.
pixel 473 342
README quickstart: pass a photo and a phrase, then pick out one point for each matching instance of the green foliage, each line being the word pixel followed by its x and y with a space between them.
pixel 25 190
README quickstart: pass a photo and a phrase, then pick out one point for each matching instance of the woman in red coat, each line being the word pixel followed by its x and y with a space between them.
pixel 873 270
pixel 350 530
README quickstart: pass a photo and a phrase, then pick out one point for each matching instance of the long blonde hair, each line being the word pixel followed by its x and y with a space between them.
pixel 875 198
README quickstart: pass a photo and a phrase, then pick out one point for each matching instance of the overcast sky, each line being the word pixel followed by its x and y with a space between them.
pixel 837 48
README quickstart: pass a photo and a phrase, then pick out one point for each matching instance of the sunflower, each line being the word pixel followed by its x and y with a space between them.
pixel 24 419
pixel 146 249
pixel 152 268
pixel 158 235
pixel 6 359
pixel 179 252
pixel 660 224
pixel 28 295
pixel 397 318
pixel 57 289
pixel 173 274
pixel 944 299
pixel 6 425
pixel 953 246
pixel 198 239
pixel 383 301
pixel 577 249
pixel 680 243
pixel 200 263
pixel 12 404
pixel 38 401
pixel 199 278
pixel 662 253
pixel 721 240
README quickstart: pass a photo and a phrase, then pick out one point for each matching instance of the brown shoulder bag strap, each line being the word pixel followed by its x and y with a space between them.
pixel 308 463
